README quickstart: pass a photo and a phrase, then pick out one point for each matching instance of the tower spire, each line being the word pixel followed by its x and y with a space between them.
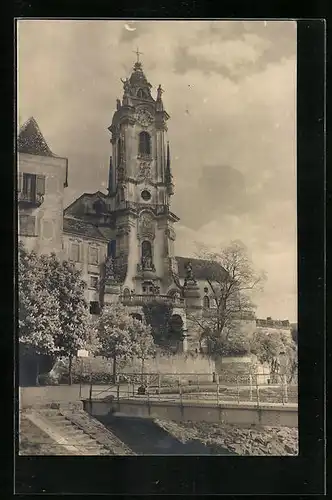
pixel 138 53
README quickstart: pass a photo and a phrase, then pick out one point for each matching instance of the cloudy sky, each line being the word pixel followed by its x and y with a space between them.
pixel 230 88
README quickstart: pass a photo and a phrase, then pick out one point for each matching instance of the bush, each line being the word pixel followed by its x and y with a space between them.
pixel 87 378
pixel 48 379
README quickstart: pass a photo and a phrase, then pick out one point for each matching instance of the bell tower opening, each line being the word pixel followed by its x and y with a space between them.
pixel 144 144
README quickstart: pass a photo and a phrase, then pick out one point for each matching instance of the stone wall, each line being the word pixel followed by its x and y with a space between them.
pixel 233 369
pixel 176 364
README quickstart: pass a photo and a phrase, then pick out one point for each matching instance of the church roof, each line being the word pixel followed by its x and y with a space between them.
pixel 30 140
pixel 202 269
pixel 107 232
pixel 82 228
pixel 138 77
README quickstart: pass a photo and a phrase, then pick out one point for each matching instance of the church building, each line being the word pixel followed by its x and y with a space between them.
pixel 122 240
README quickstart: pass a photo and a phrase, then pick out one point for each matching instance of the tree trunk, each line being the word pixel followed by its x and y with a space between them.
pixel 70 367
pixel 37 370
pixel 142 372
pixel 114 369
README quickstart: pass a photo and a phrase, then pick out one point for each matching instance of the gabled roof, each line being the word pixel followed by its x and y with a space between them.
pixel 30 140
pixel 202 269
pixel 82 228
pixel 84 195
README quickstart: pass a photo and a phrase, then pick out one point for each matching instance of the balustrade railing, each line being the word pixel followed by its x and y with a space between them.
pixel 140 299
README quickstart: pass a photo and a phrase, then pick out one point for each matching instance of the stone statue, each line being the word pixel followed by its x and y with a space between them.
pixel 126 85
pixel 159 92
pixel 189 272
pixel 147 262
pixel 109 269
pixel 118 104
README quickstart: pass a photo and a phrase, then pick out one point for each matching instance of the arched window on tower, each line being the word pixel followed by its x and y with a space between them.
pixel 206 302
pixel 144 146
pixel 141 94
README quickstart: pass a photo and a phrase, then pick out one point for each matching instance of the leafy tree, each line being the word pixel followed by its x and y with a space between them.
pixel 116 334
pixel 158 315
pixel 269 345
pixel 143 344
pixel 294 332
pixel 38 308
pixel 291 352
pixel 231 281
pixel 65 283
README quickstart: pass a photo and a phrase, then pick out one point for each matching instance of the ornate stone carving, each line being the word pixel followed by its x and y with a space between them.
pixel 145 170
pixel 146 226
pixel 170 233
pixel 143 117
pixel 109 269
pixel 123 230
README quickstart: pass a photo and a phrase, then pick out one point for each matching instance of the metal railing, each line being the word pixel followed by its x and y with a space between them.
pixel 201 388
pixel 30 198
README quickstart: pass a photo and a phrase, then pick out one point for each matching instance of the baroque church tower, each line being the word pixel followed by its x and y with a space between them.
pixel 140 187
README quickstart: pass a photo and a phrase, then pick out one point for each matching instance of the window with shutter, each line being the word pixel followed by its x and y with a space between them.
pixel 40 184
pixel 93 255
pixel 29 185
pixel 75 252
pixel 93 281
pixel 27 225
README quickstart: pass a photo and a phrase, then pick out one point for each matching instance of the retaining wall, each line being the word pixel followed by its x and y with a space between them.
pixel 236 414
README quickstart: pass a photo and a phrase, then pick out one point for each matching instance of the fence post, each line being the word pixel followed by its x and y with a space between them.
pixel 217 380
pixel 238 390
pixel 159 384
pixel 281 384
pixel 90 391
pixel 284 392
pixel 257 391
pixel 197 376
pixel 118 391
pixel 148 387
pixel 250 384
pixel 180 389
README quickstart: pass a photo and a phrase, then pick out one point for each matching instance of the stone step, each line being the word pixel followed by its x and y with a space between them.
pixel 74 431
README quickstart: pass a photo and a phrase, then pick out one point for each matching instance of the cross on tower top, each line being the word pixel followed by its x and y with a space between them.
pixel 138 53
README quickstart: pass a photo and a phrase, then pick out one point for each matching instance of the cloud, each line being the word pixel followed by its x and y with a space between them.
pixel 230 89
